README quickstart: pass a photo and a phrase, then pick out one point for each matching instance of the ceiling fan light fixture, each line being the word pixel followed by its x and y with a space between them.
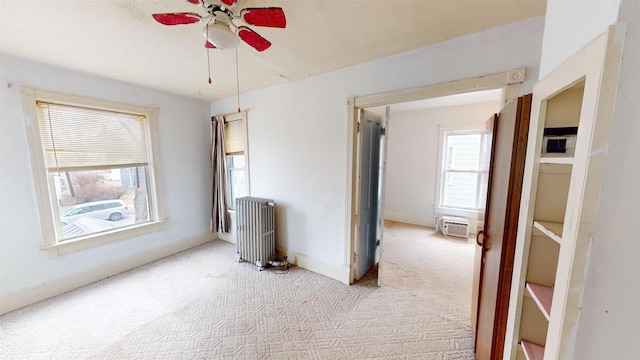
pixel 221 36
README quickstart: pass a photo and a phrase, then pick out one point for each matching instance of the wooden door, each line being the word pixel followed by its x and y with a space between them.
pixel 500 226
pixel 371 136
pixel 383 186
pixel 478 258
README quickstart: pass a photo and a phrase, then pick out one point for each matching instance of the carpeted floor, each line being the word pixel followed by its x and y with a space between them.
pixel 201 304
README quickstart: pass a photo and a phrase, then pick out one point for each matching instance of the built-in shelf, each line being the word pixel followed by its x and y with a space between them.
pixel 532 351
pixel 556 160
pixel 550 229
pixel 543 296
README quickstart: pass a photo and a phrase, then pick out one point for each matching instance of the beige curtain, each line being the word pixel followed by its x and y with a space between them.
pixel 220 204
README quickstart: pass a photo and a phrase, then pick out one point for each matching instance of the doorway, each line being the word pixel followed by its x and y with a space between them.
pixel 508 82
pixel 434 168
pixel 509 89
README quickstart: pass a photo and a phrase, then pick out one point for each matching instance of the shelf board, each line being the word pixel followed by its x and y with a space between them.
pixel 532 351
pixel 542 295
pixel 550 229
pixel 556 160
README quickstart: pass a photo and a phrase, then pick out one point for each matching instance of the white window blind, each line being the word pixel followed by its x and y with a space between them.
pixel 77 138
pixel 233 137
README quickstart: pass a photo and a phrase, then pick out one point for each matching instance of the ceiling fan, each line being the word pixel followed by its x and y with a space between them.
pixel 221 30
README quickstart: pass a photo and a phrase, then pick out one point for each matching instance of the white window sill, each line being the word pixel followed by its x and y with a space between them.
pixel 450 208
pixel 89 241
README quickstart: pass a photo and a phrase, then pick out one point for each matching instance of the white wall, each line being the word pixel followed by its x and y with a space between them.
pixel 571 24
pixel 412 162
pixel 609 323
pixel 183 128
pixel 298 131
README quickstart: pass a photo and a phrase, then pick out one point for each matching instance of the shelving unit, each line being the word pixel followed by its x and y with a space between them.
pixel 560 197
pixel 552 185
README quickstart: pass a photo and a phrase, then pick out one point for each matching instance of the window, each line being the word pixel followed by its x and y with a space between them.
pixel 236 157
pixel 465 168
pixel 450 164
pixel 237 178
pixel 94 169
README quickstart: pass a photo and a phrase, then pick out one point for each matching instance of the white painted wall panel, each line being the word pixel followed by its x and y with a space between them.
pixel 571 24
pixel 183 128
pixel 298 130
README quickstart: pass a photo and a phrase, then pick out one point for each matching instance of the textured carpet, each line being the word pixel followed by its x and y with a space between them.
pixel 201 304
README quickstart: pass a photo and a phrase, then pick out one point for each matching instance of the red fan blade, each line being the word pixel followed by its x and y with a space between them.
pixel 197 2
pixel 209 45
pixel 177 18
pixel 229 2
pixel 253 38
pixel 271 17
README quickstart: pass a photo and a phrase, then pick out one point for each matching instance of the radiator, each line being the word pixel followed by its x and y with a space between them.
pixel 256 235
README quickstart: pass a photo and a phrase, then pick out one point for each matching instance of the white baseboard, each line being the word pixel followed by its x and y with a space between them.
pixel 29 296
pixel 430 222
pixel 228 237
pixel 335 272
pixel 340 273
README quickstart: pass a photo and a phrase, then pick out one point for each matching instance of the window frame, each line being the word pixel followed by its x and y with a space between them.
pixel 229 118
pixel 230 172
pixel 441 181
pixel 46 198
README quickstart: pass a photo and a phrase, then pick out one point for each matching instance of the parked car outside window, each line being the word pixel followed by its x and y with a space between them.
pixel 112 210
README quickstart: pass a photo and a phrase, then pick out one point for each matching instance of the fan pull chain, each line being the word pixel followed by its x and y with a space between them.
pixel 208 49
pixel 237 81
pixel 209 64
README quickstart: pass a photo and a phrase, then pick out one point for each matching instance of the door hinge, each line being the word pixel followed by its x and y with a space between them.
pixel 378 242
pixel 383 131
pixel 358 127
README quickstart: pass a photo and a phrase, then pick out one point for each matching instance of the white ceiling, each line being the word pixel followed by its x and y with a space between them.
pixel 119 39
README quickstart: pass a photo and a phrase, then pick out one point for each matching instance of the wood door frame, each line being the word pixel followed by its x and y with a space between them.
pixel 509 250
pixel 509 81
pixel 510 226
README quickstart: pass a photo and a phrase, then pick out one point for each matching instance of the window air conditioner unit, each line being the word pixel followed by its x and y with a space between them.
pixel 454 226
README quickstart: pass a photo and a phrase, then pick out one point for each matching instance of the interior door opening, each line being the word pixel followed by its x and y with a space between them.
pixel 417 135
pixel 497 154
pixel 508 91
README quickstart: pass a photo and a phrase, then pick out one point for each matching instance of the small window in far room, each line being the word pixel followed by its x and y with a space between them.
pixel 464 172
